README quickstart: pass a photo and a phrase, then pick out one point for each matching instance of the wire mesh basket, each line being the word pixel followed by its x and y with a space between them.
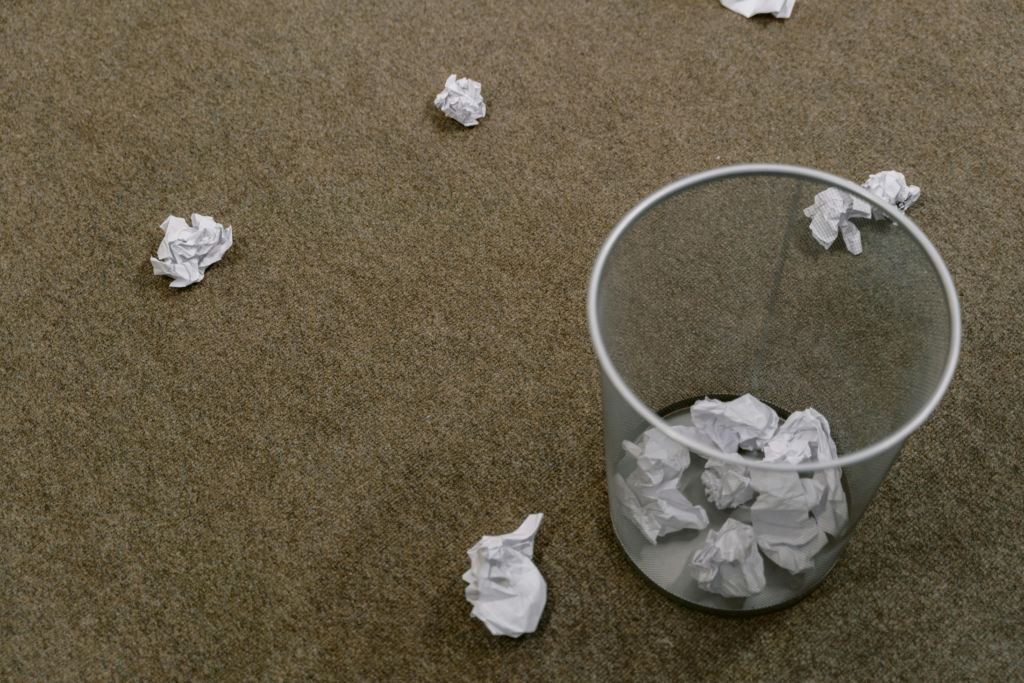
pixel 715 287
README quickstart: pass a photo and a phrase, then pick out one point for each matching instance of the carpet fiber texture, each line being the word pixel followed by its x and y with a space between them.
pixel 275 474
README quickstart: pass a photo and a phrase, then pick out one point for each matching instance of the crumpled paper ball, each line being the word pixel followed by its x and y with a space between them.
pixel 729 563
pixel 891 187
pixel 780 9
pixel 187 251
pixel 651 492
pixel 505 587
pixel 831 213
pixel 461 100
pixel 727 485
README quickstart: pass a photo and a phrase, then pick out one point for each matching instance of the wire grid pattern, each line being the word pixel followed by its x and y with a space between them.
pixel 722 289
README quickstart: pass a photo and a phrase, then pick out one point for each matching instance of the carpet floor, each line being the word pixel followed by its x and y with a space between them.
pixel 275 474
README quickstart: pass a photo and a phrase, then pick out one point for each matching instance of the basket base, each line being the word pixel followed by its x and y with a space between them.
pixel 667 564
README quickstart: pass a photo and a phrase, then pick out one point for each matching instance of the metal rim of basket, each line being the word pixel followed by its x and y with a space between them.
pixel 893 440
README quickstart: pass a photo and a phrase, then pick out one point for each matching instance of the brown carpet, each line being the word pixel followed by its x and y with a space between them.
pixel 275 474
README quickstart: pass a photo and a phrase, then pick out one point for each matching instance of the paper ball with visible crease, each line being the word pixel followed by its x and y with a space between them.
pixel 187 251
pixel 505 587
pixel 891 187
pixel 729 563
pixel 461 100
